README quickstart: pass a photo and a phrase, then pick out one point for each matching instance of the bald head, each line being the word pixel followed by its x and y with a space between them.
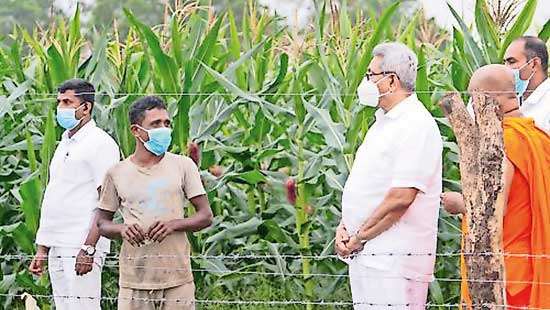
pixel 492 79
pixel 496 81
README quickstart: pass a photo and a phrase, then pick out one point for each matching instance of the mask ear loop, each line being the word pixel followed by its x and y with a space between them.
pixel 525 65
pixel 147 131
pixel 384 94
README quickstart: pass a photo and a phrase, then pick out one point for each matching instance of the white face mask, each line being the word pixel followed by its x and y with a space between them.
pixel 368 92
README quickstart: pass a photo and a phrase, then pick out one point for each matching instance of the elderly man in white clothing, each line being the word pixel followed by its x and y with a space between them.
pixel 390 203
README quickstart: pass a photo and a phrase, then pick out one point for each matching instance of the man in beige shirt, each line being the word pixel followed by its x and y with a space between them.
pixel 150 190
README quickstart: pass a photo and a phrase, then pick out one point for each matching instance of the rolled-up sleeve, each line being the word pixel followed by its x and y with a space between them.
pixel 417 157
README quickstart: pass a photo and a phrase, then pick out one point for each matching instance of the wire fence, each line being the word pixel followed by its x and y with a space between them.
pixel 275 302
pixel 294 256
pixel 113 261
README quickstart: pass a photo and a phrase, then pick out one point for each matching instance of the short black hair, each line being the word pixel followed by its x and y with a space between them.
pixel 83 89
pixel 535 47
pixel 140 106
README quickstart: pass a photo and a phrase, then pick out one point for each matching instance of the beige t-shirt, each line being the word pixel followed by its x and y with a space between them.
pixel 143 196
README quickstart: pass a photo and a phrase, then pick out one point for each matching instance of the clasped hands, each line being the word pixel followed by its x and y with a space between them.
pixel 346 245
pixel 157 232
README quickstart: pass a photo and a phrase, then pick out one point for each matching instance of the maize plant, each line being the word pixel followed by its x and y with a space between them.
pixel 269 114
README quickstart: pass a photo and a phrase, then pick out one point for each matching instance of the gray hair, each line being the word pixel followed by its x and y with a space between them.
pixel 398 58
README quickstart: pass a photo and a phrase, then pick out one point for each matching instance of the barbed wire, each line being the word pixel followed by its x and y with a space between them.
pixel 102 94
pixel 270 302
pixel 320 275
pixel 291 256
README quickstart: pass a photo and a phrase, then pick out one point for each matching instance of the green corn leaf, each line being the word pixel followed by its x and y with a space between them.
pixel 472 49
pixel 522 23
pixel 58 69
pixel 166 66
pixel 544 34
pixel 48 147
pixel 332 131
pixel 422 83
pixel 234 44
pixel 382 27
pixel 31 195
pixel 487 30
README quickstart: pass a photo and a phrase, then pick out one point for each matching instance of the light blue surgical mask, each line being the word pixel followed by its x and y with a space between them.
pixel 66 117
pixel 159 140
pixel 521 85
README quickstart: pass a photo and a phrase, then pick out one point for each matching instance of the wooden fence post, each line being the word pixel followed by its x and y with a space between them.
pixel 481 150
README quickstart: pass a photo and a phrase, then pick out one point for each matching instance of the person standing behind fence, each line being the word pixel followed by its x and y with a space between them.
pixel 68 236
pixel 390 203
pixel 528 58
pixel 150 189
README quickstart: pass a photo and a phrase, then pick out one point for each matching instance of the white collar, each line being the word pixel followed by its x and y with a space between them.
pixel 81 133
pixel 398 109
pixel 538 93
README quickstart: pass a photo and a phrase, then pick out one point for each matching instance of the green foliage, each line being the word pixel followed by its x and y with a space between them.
pixel 265 104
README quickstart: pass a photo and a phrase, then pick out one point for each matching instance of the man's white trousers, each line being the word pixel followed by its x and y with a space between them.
pixel 71 291
pixel 383 289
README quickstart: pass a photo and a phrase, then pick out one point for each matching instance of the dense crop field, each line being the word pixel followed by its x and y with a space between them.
pixel 268 109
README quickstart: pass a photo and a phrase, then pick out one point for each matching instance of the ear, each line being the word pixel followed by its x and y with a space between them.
pixel 134 130
pixel 393 82
pixel 87 107
pixel 536 63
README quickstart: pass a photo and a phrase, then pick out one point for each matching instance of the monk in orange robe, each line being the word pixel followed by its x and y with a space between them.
pixel 526 223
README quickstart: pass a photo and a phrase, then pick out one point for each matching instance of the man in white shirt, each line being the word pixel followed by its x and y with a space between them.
pixel 528 58
pixel 390 203
pixel 68 234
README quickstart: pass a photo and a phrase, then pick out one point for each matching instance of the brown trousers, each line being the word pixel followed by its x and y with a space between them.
pixel 180 297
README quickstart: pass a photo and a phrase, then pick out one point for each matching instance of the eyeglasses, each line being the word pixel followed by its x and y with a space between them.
pixel 371 74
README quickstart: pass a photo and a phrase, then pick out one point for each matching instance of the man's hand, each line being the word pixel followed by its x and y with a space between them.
pixel 342 237
pixel 159 230
pixel 84 263
pixel 354 245
pixel 133 234
pixel 37 264
pixel 453 203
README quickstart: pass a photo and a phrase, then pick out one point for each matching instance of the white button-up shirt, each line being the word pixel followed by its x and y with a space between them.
pixel 77 169
pixel 536 106
pixel 403 148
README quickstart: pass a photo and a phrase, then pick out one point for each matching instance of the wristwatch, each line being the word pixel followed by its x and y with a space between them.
pixel 89 250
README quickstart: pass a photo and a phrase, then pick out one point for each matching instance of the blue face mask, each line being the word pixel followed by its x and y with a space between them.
pixel 521 85
pixel 66 117
pixel 159 140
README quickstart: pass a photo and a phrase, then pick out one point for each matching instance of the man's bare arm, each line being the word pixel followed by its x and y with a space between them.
pixel 454 202
pixel 392 208
pixel 199 221
pixel 134 234
pixel 106 226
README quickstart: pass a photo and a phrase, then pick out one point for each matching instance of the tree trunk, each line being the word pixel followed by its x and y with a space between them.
pixel 481 149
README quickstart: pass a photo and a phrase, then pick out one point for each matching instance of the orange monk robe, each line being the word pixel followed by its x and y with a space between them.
pixel 527 219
